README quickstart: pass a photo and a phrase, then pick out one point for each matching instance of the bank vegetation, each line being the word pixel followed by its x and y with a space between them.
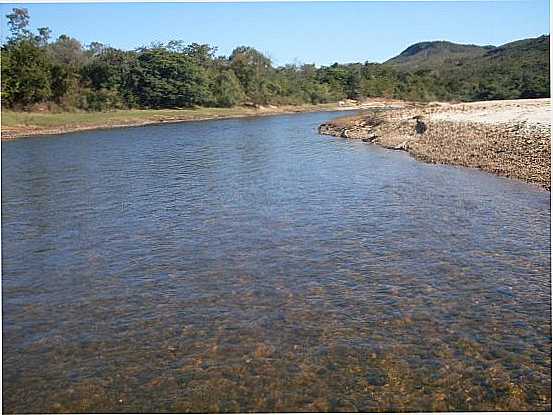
pixel 41 74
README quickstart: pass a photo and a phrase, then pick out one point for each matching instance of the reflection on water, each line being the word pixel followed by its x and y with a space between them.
pixel 252 265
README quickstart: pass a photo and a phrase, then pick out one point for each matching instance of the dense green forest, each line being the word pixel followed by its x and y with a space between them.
pixel 63 74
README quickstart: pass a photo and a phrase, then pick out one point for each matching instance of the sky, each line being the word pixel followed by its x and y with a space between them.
pixel 297 32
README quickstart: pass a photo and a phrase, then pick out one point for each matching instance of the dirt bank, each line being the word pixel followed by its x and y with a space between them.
pixel 509 138
pixel 27 124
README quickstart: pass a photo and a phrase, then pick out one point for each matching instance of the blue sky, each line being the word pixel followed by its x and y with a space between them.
pixel 310 32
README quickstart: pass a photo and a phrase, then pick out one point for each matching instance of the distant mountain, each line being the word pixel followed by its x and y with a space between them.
pixel 535 47
pixel 428 54
pixel 517 69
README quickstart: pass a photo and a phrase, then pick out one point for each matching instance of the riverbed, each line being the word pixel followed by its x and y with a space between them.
pixel 254 265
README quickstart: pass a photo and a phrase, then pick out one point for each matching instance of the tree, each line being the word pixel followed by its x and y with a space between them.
pixel 18 20
pixel 110 70
pixel 67 51
pixel 165 79
pixel 60 82
pixel 251 67
pixel 352 85
pixel 25 73
pixel 96 48
pixel 43 36
pixel 227 90
pixel 203 55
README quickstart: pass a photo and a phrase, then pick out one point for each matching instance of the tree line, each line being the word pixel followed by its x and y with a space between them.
pixel 64 74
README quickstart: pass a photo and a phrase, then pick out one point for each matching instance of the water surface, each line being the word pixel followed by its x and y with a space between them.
pixel 253 265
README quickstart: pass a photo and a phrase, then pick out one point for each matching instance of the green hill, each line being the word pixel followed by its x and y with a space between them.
pixel 428 54
pixel 517 69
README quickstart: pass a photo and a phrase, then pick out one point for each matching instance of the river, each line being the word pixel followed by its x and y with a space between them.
pixel 253 265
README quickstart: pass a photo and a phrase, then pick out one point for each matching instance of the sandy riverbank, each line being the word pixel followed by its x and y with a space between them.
pixel 509 138
pixel 27 124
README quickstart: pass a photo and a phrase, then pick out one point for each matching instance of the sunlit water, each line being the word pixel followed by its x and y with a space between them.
pixel 253 265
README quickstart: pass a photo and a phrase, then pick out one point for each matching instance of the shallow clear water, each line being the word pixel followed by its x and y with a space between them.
pixel 253 265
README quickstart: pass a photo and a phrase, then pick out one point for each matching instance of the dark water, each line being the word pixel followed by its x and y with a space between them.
pixel 252 265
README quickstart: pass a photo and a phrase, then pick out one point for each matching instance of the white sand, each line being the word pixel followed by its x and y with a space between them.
pixel 531 111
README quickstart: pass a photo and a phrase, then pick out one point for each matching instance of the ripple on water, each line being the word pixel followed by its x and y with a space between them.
pixel 252 265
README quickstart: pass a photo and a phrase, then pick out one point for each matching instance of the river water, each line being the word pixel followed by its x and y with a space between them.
pixel 253 265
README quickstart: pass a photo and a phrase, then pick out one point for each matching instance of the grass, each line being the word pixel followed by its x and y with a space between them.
pixel 20 123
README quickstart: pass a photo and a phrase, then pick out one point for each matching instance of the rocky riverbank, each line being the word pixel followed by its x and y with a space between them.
pixel 507 138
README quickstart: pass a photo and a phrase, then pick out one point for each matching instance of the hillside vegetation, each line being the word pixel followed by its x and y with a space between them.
pixel 426 55
pixel 64 75
pixel 466 72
